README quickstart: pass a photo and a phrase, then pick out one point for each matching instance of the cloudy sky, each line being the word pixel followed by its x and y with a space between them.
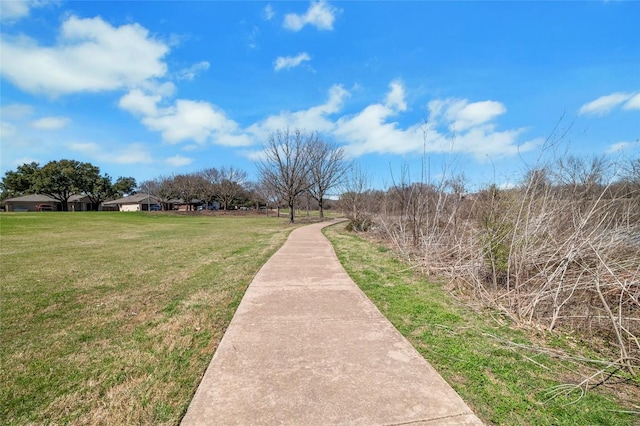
pixel 148 88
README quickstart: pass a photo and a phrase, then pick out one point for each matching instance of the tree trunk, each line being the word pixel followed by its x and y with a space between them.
pixel 291 212
pixel 321 208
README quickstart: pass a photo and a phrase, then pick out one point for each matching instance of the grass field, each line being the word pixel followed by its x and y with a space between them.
pixel 111 318
pixel 507 375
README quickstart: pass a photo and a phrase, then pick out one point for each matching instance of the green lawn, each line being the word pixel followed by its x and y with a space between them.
pixel 111 318
pixel 489 363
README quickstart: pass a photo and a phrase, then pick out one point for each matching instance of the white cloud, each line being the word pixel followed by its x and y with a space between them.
pixel 134 153
pixel 7 130
pixel 633 103
pixel 252 38
pixel 144 100
pixel 320 14
pixel 229 139
pixel 14 10
pixel 621 146
pixel 50 123
pixel 178 161
pixel 186 120
pixel 617 147
pixel 315 118
pixel 462 115
pixel 182 120
pixel 85 147
pixel 90 55
pixel 139 102
pixel 369 131
pixel 283 62
pixel 196 121
pixel 477 113
pixel 191 72
pixel 166 89
pixel 373 131
pixel 16 111
pixel 253 155
pixel 268 12
pixel 604 104
pixel 395 98
pixel 484 142
pixel 375 128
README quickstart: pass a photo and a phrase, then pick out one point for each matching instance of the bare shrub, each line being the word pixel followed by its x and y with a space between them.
pixel 355 201
pixel 561 250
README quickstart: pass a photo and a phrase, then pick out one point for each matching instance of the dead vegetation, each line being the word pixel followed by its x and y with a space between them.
pixel 560 251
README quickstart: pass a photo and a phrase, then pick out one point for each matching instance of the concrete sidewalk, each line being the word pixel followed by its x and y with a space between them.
pixel 306 347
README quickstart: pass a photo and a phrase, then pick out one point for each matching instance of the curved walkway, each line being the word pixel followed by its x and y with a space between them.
pixel 306 347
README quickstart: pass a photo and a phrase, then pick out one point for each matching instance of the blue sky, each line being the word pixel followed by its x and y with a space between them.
pixel 147 88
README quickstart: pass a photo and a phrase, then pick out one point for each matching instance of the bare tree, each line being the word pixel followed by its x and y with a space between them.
pixel 305 201
pixel 631 178
pixel 285 166
pixel 161 188
pixel 231 185
pixel 537 181
pixel 211 177
pixel 224 185
pixel 188 187
pixel 201 187
pixel 255 194
pixel 356 198
pixel 328 169
pixel 633 171
pixel 583 176
pixel 270 196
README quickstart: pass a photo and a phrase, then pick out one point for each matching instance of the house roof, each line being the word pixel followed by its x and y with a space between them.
pixel 134 199
pixel 41 198
pixel 32 198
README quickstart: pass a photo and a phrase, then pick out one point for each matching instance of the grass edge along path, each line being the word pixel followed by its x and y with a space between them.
pixel 501 382
pixel 112 318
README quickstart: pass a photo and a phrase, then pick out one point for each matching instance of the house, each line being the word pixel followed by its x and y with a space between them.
pixel 30 203
pixel 79 203
pixel 180 205
pixel 134 203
